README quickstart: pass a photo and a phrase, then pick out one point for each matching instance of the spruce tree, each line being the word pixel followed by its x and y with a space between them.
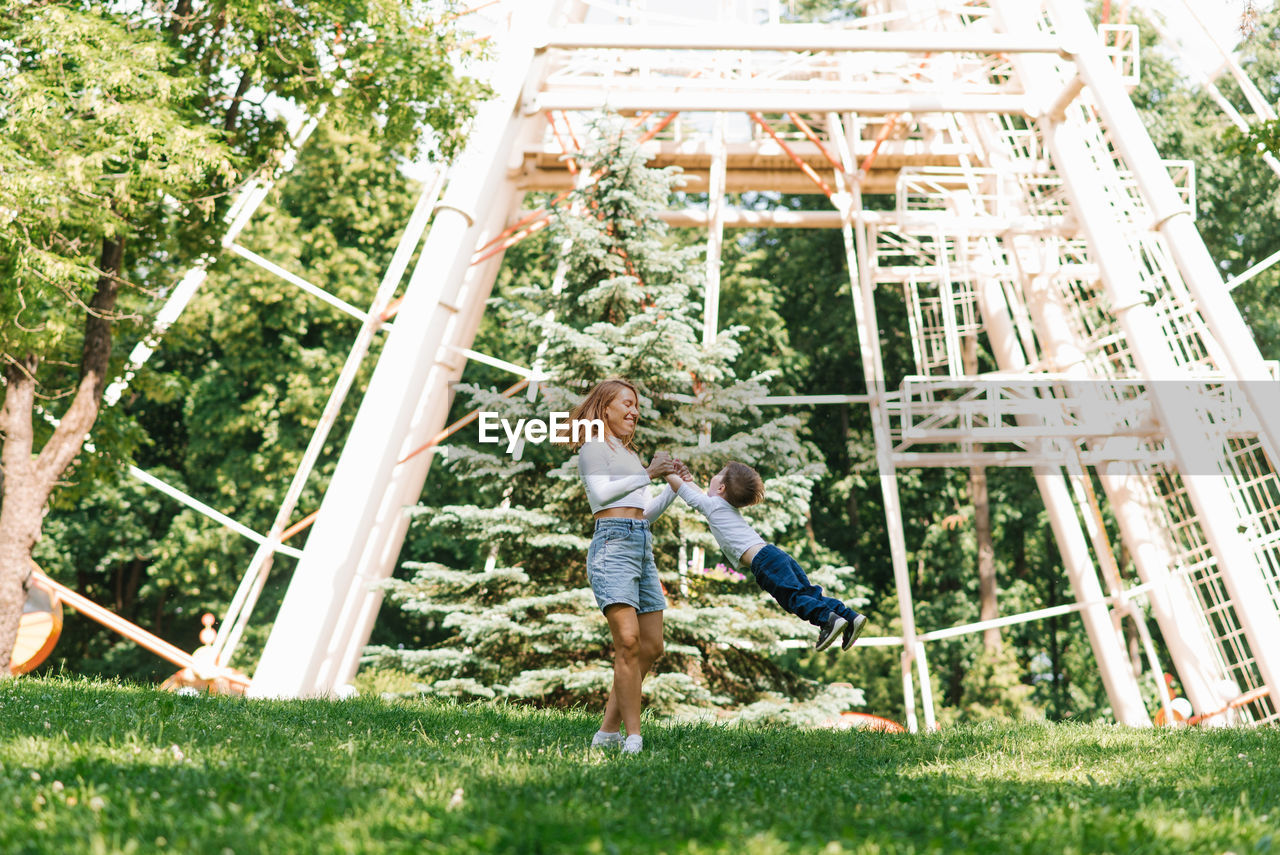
pixel 522 624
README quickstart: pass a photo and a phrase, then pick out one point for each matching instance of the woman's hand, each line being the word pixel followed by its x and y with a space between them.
pixel 683 471
pixel 661 466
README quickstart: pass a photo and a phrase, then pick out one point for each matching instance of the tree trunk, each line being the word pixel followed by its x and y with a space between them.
pixel 988 607
pixel 21 508
pixel 1019 537
pixel 31 477
pixel 233 112
pixel 180 21
pixel 1055 649
pixel 851 501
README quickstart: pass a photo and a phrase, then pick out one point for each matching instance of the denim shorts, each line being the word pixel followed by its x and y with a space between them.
pixel 620 565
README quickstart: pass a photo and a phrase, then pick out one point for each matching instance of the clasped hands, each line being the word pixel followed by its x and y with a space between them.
pixel 663 464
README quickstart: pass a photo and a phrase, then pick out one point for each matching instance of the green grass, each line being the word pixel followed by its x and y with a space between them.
pixel 94 767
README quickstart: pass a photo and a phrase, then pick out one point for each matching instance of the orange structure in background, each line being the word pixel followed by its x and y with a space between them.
pixel 866 721
pixel 38 630
pixel 42 625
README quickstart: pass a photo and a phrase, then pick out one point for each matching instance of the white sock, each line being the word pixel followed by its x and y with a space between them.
pixel 604 737
pixel 633 744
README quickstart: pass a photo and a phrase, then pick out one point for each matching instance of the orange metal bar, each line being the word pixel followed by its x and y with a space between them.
pixel 455 15
pixel 300 525
pixel 461 423
pixel 476 41
pixel 891 120
pixel 656 129
pixel 813 137
pixel 577 146
pixel 524 221
pixel 511 241
pixel 113 621
pixel 795 158
pixel 640 119
pixel 555 129
pixel 129 630
pixel 1243 700
pixel 390 311
pixel 887 128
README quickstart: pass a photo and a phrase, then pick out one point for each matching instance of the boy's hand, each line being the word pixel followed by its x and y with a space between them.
pixel 683 471
pixel 678 473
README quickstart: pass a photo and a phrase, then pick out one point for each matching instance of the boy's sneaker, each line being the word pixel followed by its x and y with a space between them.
pixel 633 745
pixel 852 631
pixel 828 631
pixel 603 739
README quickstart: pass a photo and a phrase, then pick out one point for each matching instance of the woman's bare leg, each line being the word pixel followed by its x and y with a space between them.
pixel 650 640
pixel 648 630
pixel 625 697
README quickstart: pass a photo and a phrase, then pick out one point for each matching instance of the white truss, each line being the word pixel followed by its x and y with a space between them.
pixel 1032 214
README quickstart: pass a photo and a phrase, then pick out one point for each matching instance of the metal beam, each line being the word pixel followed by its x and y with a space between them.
pixel 1117 676
pixel 210 512
pixel 797 38
pixel 779 100
pixel 927 223
pixel 810 400
pixel 1236 281
pixel 1083 157
pixel 862 292
pixel 715 236
pixel 360 526
pixel 789 180
pixel 1174 222
pixel 697 152
pixel 246 597
pixel 1019 459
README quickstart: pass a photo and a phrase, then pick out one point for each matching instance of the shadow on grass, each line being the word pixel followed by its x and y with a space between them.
pixel 880 794
pixel 206 774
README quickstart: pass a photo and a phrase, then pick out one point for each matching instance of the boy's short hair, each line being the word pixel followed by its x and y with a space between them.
pixel 743 485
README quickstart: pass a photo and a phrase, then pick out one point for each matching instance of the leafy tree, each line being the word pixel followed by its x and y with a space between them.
pixel 228 404
pixel 119 145
pixel 97 132
pixel 523 626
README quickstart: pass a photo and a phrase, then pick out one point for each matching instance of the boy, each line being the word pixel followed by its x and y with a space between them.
pixel 739 486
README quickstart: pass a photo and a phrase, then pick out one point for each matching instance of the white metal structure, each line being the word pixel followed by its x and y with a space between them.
pixel 1032 213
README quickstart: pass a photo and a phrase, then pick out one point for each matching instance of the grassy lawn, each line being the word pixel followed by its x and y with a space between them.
pixel 93 767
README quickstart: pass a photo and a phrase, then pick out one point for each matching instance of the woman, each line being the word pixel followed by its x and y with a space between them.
pixel 620 564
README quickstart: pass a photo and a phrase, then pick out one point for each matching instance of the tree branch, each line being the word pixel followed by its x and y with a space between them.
pixel 15 413
pixel 234 110
pixel 95 360
pixel 181 18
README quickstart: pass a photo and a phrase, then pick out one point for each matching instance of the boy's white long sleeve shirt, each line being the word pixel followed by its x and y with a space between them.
pixel 734 534
pixel 615 478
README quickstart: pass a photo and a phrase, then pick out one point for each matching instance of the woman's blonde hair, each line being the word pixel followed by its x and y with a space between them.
pixel 597 401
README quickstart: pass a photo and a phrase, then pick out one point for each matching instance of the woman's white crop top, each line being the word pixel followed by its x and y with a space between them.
pixel 615 478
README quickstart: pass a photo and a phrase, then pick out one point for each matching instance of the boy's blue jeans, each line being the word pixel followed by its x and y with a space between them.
pixel 785 581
